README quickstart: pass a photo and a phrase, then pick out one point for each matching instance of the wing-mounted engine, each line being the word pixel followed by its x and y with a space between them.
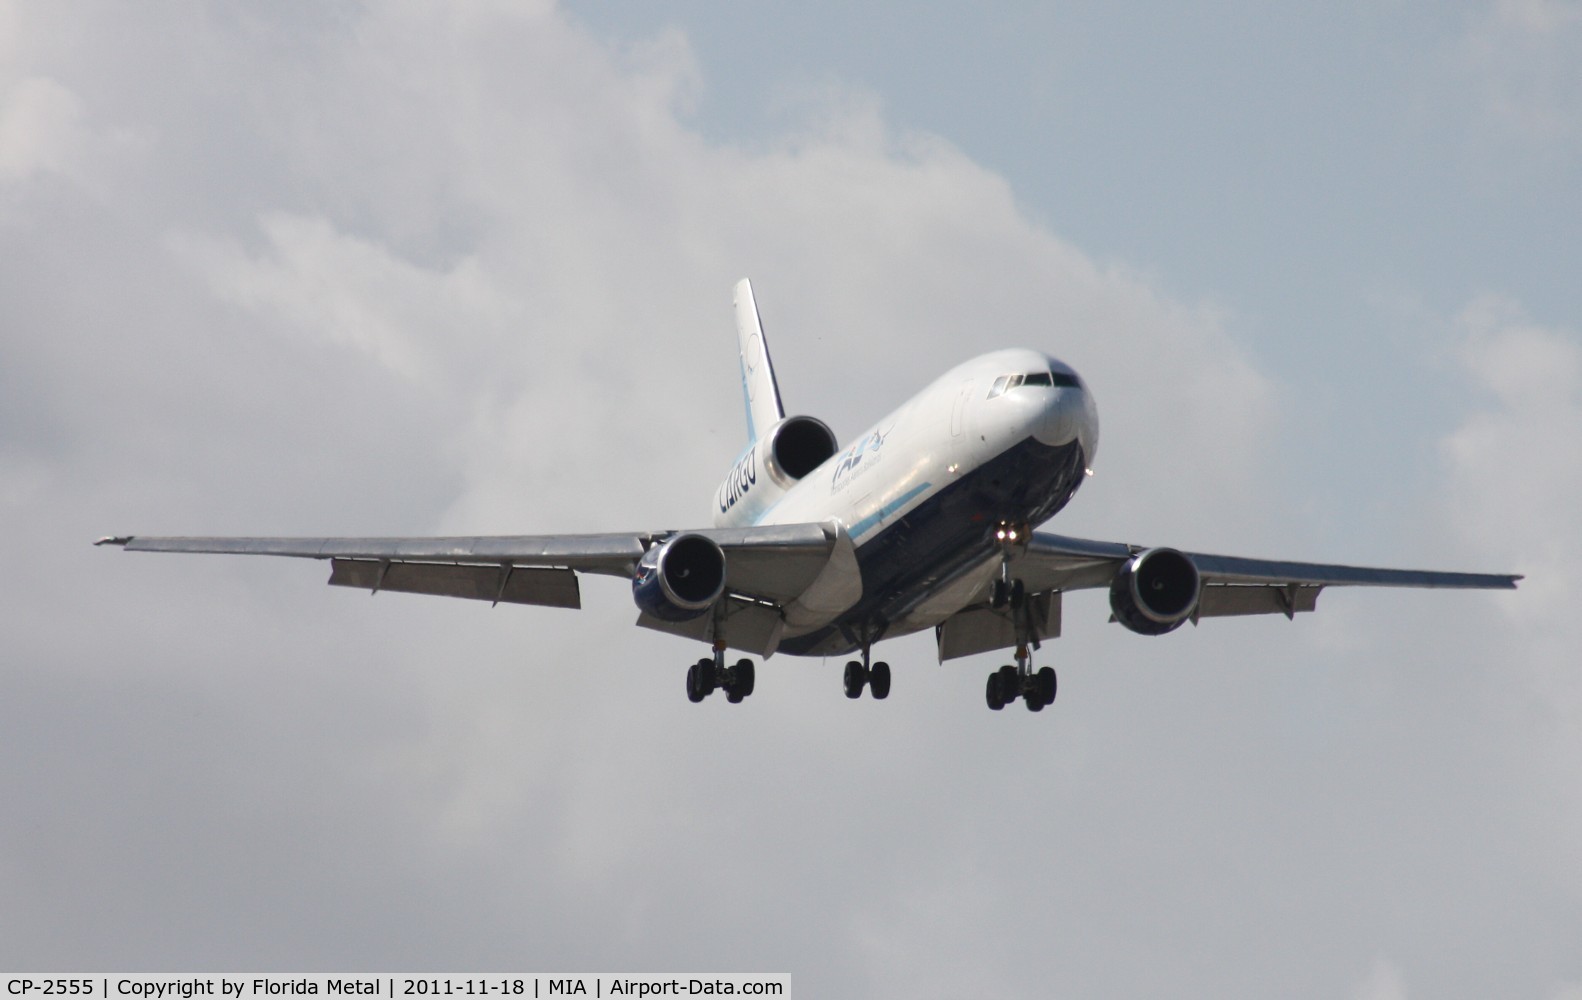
pixel 680 578
pixel 773 464
pixel 1155 591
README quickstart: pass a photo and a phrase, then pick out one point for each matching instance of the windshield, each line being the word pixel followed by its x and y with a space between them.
pixel 1005 383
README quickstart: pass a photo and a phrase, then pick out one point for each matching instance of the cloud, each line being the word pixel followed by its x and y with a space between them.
pixel 1515 471
pixel 1383 983
pixel 40 129
pixel 1522 54
pixel 1512 460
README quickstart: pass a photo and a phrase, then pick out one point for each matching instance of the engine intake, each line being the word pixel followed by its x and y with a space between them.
pixel 769 467
pixel 680 578
pixel 798 445
pixel 1155 591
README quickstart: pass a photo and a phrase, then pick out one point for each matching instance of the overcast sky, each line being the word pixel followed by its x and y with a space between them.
pixel 412 268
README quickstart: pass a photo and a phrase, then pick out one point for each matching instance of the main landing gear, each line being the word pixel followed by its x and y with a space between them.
pixel 706 675
pixel 1020 681
pixel 875 678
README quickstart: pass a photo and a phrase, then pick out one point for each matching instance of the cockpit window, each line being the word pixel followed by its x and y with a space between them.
pixel 1005 383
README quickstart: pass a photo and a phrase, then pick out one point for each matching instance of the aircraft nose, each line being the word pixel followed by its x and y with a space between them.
pixel 1062 414
pixel 1070 415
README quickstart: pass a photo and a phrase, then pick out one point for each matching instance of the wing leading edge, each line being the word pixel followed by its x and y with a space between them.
pixel 777 564
pixel 1078 563
pixel 1051 564
pixel 1232 585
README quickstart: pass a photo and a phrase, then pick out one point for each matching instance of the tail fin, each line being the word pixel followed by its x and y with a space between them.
pixel 758 373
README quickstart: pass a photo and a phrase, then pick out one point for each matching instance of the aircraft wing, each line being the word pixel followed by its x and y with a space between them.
pixel 777 564
pixel 1232 585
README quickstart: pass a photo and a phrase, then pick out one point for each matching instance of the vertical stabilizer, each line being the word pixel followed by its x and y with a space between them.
pixel 758 374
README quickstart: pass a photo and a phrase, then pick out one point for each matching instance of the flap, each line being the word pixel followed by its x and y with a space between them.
pixel 1229 601
pixel 748 626
pixel 555 588
pixel 981 628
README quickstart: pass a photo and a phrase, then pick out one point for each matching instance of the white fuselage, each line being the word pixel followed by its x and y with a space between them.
pixel 921 491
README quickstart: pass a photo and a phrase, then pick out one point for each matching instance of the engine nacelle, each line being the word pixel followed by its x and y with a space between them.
pixel 680 578
pixel 776 462
pixel 1155 591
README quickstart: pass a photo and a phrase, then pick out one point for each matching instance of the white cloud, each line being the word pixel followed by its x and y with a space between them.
pixel 1515 464
pixel 40 129
pixel 352 292
pixel 1384 982
pixel 1523 56
pixel 1515 469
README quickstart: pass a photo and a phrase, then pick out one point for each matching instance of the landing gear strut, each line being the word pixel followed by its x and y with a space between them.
pixel 875 678
pixel 1012 540
pixel 704 676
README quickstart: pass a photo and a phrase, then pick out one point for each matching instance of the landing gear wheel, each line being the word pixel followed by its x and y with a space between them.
pixel 855 677
pixel 1035 701
pixel 1018 595
pixel 879 680
pixel 746 677
pixel 992 693
pixel 695 691
pixel 999 596
pixel 1044 684
pixel 1010 683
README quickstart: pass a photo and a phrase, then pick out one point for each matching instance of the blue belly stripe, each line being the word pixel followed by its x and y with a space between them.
pixel 870 522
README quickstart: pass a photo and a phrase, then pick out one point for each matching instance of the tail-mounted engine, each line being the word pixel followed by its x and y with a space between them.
pixel 773 464
pixel 1155 591
pixel 680 578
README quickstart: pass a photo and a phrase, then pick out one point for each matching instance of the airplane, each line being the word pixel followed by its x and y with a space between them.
pixel 925 521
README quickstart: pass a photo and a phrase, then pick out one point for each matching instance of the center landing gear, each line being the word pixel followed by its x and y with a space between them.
pixel 1009 683
pixel 704 676
pixel 859 675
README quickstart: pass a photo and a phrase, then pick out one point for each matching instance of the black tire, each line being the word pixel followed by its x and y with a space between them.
pixel 694 689
pixel 854 679
pixel 1018 594
pixel 992 694
pixel 998 595
pixel 707 682
pixel 734 697
pixel 1035 701
pixel 746 677
pixel 1046 685
pixel 1010 684
pixel 879 680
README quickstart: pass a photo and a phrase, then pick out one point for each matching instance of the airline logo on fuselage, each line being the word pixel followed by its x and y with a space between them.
pixel 848 469
pixel 741 479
